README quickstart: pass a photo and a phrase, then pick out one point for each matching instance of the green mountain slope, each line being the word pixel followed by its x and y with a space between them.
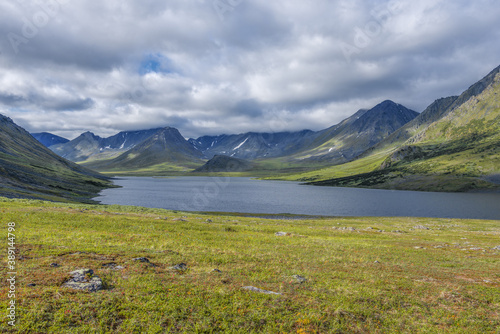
pixel 166 150
pixel 30 170
pixel 222 163
pixel 452 146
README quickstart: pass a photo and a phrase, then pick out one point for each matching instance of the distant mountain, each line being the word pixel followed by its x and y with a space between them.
pixel 30 170
pixel 454 145
pixel 222 163
pixel 337 144
pixel 165 147
pixel 49 139
pixel 254 145
pixel 351 137
pixel 88 146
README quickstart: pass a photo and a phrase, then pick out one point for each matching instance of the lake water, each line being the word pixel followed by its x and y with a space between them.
pixel 221 194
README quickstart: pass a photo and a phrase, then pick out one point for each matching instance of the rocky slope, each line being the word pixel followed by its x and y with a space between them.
pixel 30 170
pixel 452 146
pixel 166 146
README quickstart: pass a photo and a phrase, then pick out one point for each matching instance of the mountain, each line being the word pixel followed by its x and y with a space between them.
pixel 351 137
pixel 222 163
pixel 88 146
pixel 254 145
pixel 166 147
pixel 454 145
pixel 30 170
pixel 49 139
pixel 337 144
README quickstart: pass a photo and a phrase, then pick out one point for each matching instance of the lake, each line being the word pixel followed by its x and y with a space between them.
pixel 246 195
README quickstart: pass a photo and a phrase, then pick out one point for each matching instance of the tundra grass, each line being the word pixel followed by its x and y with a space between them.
pixel 364 275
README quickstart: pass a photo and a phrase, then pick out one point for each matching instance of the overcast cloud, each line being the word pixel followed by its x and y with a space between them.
pixel 231 66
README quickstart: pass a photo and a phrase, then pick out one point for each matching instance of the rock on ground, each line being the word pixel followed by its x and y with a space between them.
pixel 254 289
pixel 84 279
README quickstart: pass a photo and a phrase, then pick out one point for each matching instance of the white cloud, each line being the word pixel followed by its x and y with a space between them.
pixel 268 66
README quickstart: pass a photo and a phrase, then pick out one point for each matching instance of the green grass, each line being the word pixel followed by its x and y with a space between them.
pixel 441 280
pixel 355 167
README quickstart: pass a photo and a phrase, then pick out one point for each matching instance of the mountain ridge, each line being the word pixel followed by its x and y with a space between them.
pixel 167 145
pixel 29 169
pixel 454 145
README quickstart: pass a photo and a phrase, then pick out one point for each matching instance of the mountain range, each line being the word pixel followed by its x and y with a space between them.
pixel 453 145
pixel 164 149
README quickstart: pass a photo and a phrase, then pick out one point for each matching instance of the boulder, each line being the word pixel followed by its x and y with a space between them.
pixel 84 279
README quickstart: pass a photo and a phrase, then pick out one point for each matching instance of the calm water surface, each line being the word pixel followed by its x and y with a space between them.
pixel 275 197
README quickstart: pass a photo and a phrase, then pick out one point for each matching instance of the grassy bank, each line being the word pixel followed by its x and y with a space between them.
pixel 364 275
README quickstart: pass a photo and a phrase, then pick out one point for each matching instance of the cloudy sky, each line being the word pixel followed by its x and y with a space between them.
pixel 231 66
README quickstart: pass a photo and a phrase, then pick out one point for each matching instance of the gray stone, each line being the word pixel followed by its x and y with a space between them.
pixel 112 266
pixel 281 234
pixel 254 289
pixel 300 279
pixel 421 227
pixel 209 220
pixel 144 260
pixel 496 248
pixel 180 267
pixel 84 279
pixel 55 265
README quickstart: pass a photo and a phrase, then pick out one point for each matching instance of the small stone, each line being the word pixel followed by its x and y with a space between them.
pixel 141 259
pixel 254 289
pixel 180 267
pixel 421 227
pixel 208 220
pixel 31 285
pixel 84 279
pixel 113 266
pixel 376 262
pixel 109 265
pixel 300 279
pixel 418 247
pixel 496 248
pixel 55 265
pixel 144 260
pixel 281 234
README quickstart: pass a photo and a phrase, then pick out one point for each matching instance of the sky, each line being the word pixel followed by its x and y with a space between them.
pixel 208 67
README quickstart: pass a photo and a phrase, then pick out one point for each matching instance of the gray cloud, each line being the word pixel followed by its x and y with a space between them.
pixel 71 66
